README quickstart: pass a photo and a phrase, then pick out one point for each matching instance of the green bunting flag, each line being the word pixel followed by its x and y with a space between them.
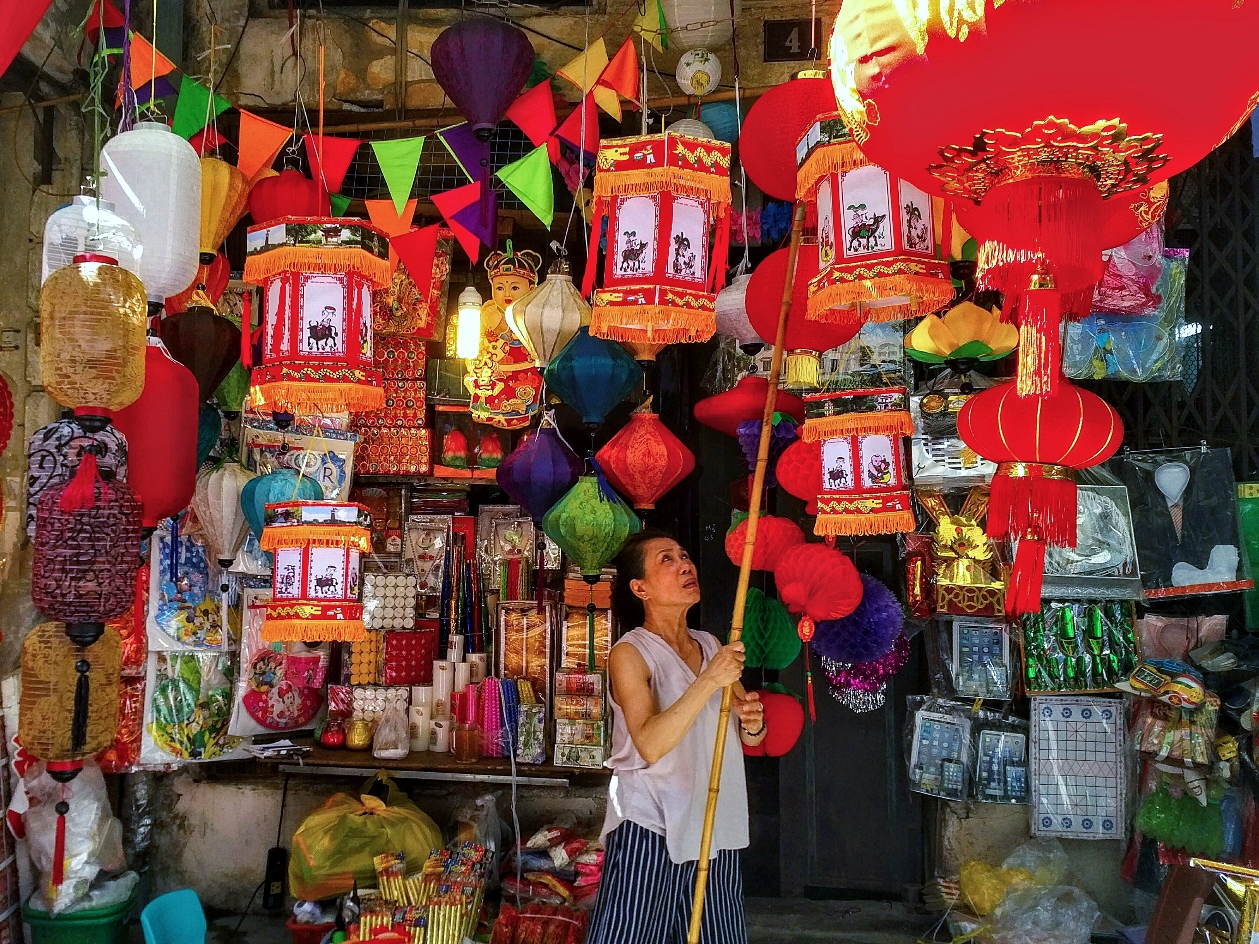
pixel 530 180
pixel 399 160
pixel 192 109
pixel 340 203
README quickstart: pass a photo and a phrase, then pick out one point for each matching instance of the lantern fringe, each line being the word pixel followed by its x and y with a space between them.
pixel 652 324
pixel 329 259
pixel 310 630
pixel 1040 343
pixel 850 302
pixel 832 158
pixel 1026 579
pixel 1032 504
pixel 80 493
pixel 302 397
pixel 802 369
pixel 316 535
pixel 882 522
pixel 888 423
pixel 682 183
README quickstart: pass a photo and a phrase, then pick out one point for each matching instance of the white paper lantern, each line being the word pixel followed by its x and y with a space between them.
pixel 692 127
pixel 548 317
pixel 153 178
pixel 698 73
pixel 89 224
pixel 685 17
pixel 217 505
pixel 732 312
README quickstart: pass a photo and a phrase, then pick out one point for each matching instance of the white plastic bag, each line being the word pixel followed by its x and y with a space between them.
pixel 1058 914
pixel 392 740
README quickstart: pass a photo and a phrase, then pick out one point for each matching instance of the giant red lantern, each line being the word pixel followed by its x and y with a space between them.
pixel 667 200
pixel 288 193
pixel 1038 443
pixel 161 433
pixel 767 143
pixel 644 460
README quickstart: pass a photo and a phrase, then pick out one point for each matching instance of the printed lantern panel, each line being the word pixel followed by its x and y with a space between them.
pixel 878 235
pixel 315 583
pixel 863 489
pixel 317 277
pixel 667 198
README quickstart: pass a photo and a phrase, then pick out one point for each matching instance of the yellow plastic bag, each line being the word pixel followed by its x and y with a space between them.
pixel 984 886
pixel 334 846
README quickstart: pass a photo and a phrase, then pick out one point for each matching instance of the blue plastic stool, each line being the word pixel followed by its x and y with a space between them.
pixel 174 918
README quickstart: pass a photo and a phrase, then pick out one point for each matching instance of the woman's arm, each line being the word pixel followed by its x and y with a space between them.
pixel 657 732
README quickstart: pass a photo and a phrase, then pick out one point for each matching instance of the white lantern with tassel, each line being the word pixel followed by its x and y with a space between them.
pixel 548 317
pixel 732 312
pixel 217 505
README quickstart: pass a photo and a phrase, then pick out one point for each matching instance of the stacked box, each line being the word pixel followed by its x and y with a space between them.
pixel 580 719
pixel 394 440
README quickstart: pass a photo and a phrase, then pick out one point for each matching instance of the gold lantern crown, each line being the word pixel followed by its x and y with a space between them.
pixel 524 264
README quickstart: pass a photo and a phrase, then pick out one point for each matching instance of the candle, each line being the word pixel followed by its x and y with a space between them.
pixel 463 675
pixel 422 695
pixel 441 737
pixel 478 662
pixel 421 727
pixel 443 685
pixel 455 648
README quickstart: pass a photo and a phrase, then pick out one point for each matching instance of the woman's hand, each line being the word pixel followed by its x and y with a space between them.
pixel 726 667
pixel 751 713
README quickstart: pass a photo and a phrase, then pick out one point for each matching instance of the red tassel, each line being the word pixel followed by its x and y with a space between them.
pixel 246 330
pixel 81 492
pixel 1023 594
pixel 59 852
pixel 721 254
pixel 1040 342
pixel 808 685
pixel 592 254
pixel 1034 502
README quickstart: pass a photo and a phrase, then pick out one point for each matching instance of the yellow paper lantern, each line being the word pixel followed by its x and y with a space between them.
pixel 51 674
pixel 224 200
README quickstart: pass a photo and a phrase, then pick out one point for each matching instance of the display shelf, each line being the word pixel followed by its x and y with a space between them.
pixel 427 765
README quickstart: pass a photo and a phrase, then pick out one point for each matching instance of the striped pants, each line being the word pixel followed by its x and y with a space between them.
pixel 645 897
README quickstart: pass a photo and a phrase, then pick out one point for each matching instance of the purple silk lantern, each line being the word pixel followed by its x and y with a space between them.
pixel 865 634
pixel 540 471
pixel 482 64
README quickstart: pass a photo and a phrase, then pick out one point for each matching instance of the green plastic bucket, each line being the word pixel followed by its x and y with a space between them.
pixel 92 926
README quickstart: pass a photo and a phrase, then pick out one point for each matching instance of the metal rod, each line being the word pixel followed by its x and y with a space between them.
pixel 745 574
pixel 442 775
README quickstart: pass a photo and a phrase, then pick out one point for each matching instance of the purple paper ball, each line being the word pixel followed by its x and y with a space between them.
pixel 782 434
pixel 868 632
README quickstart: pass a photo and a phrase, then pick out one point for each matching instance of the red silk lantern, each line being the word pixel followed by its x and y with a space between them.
pixel 767 144
pixel 745 401
pixel 818 582
pixel 317 276
pixel 644 460
pixel 663 195
pixel 879 236
pixel 211 282
pixel 784 723
pixel 799 470
pixel 288 193
pixel 774 536
pixel 805 340
pixel 1038 443
pixel 161 433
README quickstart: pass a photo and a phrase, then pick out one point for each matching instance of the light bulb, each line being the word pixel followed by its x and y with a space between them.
pixel 468 328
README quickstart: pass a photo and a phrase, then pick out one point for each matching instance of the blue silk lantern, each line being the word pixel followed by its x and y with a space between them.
pixel 209 428
pixel 592 376
pixel 286 485
pixel 540 471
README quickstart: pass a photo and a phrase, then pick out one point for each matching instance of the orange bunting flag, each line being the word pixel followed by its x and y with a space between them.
pixel 584 72
pixel 534 114
pixel 621 75
pixel 147 63
pixel 260 142
pixel 450 204
pixel 386 218
pixel 329 167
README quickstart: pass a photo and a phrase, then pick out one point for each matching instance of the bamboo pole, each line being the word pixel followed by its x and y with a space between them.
pixel 745 574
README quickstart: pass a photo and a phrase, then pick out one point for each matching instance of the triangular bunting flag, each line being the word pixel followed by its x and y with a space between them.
pixel 451 203
pixel 340 203
pixel 534 113
pixel 148 64
pixel 18 19
pixel 417 249
pixel 104 14
pixel 651 25
pixel 584 72
pixel 330 166
pixel 530 180
pixel 192 108
pixel 470 152
pixel 260 141
pixel 481 218
pixel 621 75
pixel 207 140
pixel 399 160
pixel 386 218
pixel 570 132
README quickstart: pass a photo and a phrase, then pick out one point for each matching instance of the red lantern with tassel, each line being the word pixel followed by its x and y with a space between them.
pixel 819 582
pixel 744 401
pixel 774 537
pixel 644 460
pixel 1038 443
pixel 288 193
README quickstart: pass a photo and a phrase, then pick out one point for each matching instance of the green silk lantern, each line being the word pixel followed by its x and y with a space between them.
pixel 769 633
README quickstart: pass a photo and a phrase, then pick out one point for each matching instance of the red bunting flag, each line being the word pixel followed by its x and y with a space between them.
pixel 208 140
pixel 417 250
pixel 329 167
pixel 534 114
pixel 260 142
pixel 571 131
pixel 450 203
pixel 18 19
pixel 621 75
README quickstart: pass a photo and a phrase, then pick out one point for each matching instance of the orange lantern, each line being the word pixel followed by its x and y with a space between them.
pixel 878 235
pixel 644 460
pixel 664 196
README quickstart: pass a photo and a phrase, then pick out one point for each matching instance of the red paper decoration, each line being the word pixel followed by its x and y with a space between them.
pixel 774 536
pixel 799 470
pixel 819 582
pixel 644 460
pixel 6 413
pixel 784 723
pixel 767 145
pixel 288 193
pixel 745 401
pixel 161 433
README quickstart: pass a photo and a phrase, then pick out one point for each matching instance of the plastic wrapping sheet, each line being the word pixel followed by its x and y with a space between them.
pixel 185 605
pixel 325 455
pixel 188 708
pixel 1103 564
pixel 1078 646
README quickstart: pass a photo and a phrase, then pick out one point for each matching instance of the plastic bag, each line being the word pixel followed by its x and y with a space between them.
pixel 477 821
pixel 1044 860
pixel 392 740
pixel 1057 914
pixel 334 846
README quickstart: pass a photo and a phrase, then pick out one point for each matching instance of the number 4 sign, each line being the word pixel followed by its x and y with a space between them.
pixel 792 40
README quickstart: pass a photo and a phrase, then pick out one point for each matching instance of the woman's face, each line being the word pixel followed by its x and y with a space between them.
pixel 669 576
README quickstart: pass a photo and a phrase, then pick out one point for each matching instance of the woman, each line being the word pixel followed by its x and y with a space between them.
pixel 666 682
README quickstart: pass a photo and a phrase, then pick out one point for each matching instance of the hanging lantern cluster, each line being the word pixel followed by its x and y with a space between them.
pixel 540 470
pixel 644 460
pixel 318 546
pixel 458 57
pixel 283 485
pixel 224 200
pixel 288 193
pixel 217 504
pixel 878 235
pixel 550 316
pixel 54 451
pixel 317 275
pixel 861 488
pixel 667 200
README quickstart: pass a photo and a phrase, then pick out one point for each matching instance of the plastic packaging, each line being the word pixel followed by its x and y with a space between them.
pixel 1044 861
pixel 392 740
pixel 1057 914
pixel 477 821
